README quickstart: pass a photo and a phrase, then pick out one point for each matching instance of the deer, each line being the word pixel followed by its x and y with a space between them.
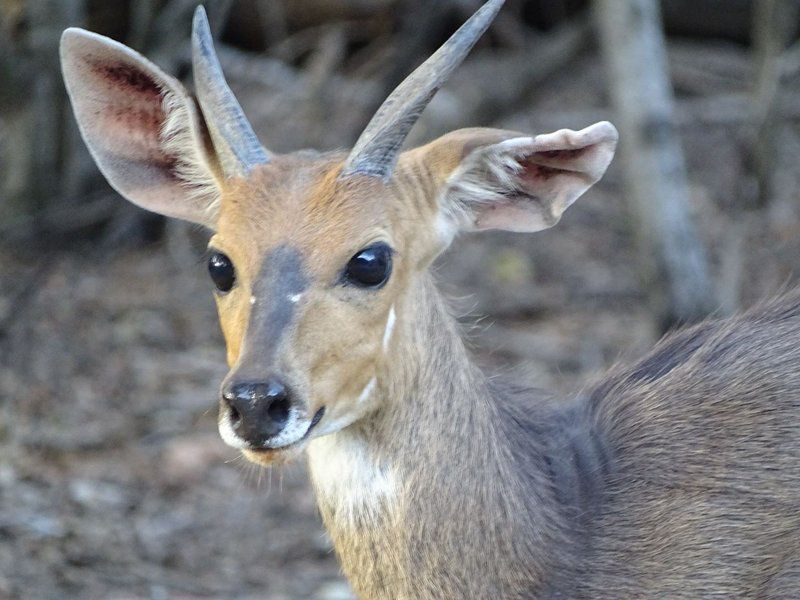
pixel 674 476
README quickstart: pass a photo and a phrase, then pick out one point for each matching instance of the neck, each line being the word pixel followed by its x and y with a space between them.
pixel 447 462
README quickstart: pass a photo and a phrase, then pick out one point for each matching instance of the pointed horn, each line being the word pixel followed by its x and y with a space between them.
pixel 376 151
pixel 234 140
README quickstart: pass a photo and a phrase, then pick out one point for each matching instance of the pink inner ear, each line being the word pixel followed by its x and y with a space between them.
pixel 549 181
pixel 540 167
pixel 564 154
pixel 533 172
pixel 131 113
pixel 127 78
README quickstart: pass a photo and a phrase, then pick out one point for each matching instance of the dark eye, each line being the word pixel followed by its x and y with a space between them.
pixel 221 270
pixel 371 267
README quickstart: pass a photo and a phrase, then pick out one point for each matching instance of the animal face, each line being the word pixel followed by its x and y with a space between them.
pixel 307 271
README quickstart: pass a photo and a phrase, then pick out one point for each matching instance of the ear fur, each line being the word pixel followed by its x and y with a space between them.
pixel 522 183
pixel 142 128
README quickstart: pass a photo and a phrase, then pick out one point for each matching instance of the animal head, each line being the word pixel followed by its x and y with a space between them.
pixel 313 254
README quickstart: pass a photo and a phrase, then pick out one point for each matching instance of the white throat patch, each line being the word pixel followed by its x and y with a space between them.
pixel 348 480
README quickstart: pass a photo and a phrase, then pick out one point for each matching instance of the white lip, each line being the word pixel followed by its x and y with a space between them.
pixel 227 434
pixel 295 431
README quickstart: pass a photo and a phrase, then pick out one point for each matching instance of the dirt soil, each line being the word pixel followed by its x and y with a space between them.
pixel 113 480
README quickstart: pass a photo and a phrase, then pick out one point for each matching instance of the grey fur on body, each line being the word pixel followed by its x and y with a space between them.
pixel 676 477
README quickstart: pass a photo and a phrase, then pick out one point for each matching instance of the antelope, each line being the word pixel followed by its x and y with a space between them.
pixel 675 477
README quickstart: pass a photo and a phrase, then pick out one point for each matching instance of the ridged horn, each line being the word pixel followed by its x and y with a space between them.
pixel 235 142
pixel 376 151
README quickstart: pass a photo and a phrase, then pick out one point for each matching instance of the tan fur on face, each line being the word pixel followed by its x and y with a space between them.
pixel 334 346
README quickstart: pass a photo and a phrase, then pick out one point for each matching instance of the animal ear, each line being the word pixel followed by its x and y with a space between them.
pixel 507 181
pixel 142 127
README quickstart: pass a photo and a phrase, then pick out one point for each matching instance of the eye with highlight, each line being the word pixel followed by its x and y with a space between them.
pixel 370 267
pixel 221 270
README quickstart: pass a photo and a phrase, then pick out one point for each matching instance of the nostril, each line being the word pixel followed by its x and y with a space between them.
pixel 278 411
pixel 234 416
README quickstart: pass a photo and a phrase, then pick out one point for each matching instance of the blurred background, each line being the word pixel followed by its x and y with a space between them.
pixel 113 480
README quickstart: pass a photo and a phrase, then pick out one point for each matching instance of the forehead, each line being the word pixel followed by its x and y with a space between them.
pixel 298 201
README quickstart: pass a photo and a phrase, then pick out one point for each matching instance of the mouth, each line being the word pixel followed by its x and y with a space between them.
pixel 268 455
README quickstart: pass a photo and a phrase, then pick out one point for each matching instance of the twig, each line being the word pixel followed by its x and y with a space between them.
pixel 774 23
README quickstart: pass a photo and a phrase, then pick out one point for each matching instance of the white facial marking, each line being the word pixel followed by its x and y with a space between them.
pixel 387 333
pixel 330 425
pixel 367 391
pixel 252 300
pixel 347 479
pixel 295 298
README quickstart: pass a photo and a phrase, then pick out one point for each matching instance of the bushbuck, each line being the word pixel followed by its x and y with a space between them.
pixel 677 477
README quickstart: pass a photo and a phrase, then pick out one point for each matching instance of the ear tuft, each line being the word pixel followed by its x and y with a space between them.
pixel 196 170
pixel 526 183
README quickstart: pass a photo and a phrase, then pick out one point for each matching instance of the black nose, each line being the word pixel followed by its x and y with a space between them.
pixel 258 411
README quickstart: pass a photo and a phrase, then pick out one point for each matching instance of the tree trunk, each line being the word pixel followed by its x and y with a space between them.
pixel 774 25
pixel 652 160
